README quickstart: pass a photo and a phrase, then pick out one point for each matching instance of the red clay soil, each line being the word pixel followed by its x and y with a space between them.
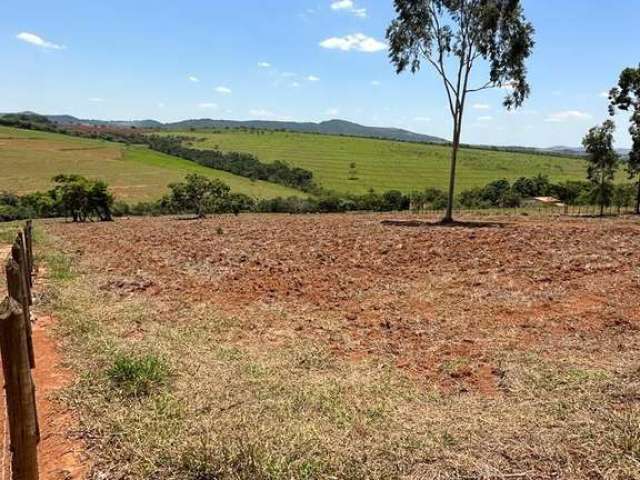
pixel 443 303
pixel 60 457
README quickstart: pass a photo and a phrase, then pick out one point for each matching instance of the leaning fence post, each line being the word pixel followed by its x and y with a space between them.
pixel 28 236
pixel 21 408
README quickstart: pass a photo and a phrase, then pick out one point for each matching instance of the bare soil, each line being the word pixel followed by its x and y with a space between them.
pixel 443 303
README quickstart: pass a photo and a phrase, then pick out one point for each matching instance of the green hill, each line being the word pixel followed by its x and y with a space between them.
pixel 384 164
pixel 28 160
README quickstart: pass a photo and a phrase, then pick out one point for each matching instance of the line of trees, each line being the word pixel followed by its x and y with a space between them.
pixel 243 164
pixel 80 199
pixel 602 157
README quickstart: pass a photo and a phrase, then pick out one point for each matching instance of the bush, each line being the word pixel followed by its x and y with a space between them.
pixel 9 213
pixel 80 198
pixel 497 194
pixel 430 199
pixel 200 195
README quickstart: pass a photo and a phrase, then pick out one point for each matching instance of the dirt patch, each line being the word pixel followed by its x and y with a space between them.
pixel 60 457
pixel 442 303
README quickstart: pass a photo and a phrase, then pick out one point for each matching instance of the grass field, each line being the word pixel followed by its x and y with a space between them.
pixel 384 165
pixel 29 159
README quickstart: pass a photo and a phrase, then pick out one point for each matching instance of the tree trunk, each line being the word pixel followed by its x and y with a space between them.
pixel 448 218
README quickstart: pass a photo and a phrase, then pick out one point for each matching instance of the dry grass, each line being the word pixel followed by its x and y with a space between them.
pixel 237 406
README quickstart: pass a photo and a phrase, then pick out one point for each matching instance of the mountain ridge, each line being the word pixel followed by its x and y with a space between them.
pixel 330 127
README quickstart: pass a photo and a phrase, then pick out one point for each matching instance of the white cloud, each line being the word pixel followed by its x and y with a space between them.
pixel 348 6
pixel 264 65
pixel 263 114
pixel 604 94
pixel 313 78
pixel 193 79
pixel 209 106
pixel 481 106
pixel 38 41
pixel 332 112
pixel 294 84
pixel 375 83
pixel 223 90
pixel 422 119
pixel 527 113
pixel 160 105
pixel 342 5
pixel 355 41
pixel 560 117
pixel 486 118
pixel 96 99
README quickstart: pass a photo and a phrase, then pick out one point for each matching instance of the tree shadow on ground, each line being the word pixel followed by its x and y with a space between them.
pixel 453 224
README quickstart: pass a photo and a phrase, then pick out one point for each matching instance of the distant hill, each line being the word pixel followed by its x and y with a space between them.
pixel 70 120
pixel 580 151
pixel 331 127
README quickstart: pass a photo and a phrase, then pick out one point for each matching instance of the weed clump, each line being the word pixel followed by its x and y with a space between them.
pixel 138 376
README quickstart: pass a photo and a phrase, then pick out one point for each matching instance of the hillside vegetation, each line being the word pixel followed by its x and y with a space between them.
pixel 29 159
pixel 383 164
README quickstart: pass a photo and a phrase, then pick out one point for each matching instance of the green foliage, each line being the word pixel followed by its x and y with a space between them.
pixel 623 196
pixel 626 97
pixel 28 121
pixel 603 163
pixel 537 186
pixel 497 194
pixel 80 198
pixel 137 376
pixel 199 194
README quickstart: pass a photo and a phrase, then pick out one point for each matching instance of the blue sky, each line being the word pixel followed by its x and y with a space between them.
pixel 303 60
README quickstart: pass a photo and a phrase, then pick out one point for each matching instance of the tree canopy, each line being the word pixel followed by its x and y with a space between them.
pixel 452 36
pixel 626 97
pixel 198 194
pixel 603 162
pixel 80 198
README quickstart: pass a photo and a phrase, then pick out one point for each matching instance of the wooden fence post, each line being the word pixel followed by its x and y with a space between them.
pixel 28 236
pixel 25 262
pixel 21 408
pixel 19 256
pixel 16 284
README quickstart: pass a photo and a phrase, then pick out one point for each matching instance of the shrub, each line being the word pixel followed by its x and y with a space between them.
pixel 199 194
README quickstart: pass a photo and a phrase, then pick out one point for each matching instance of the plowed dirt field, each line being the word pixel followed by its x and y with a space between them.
pixel 441 303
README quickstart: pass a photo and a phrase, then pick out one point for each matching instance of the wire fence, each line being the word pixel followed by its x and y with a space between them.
pixel 549 211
